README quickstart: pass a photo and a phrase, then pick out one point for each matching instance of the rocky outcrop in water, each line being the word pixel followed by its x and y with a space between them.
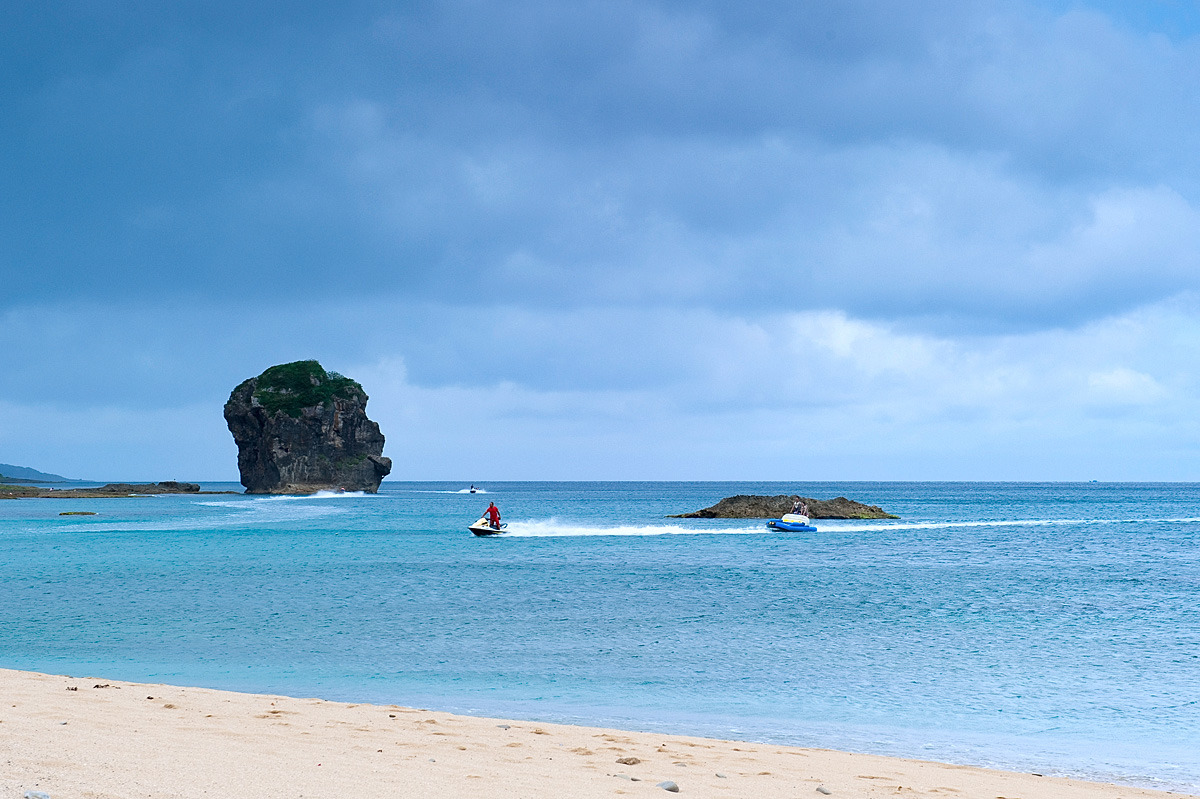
pixel 750 506
pixel 300 429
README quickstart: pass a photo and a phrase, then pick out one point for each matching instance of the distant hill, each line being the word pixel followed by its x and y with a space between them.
pixel 23 474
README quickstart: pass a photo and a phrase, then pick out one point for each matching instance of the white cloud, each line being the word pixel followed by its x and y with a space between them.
pixel 1122 386
pixel 620 393
pixel 860 399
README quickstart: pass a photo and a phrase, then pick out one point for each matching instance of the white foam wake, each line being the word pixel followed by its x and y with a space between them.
pixel 318 495
pixel 444 491
pixel 548 528
pixel 834 525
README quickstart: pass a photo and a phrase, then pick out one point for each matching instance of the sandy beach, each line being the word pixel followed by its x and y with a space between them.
pixel 76 737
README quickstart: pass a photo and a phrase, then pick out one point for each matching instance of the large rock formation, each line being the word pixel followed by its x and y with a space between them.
pixel 749 506
pixel 300 429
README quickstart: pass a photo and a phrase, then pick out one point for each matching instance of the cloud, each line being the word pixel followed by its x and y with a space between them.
pixel 821 396
pixel 1122 386
pixel 626 238
pixel 624 393
pixel 892 160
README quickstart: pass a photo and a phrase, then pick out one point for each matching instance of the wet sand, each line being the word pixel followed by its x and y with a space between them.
pixel 74 737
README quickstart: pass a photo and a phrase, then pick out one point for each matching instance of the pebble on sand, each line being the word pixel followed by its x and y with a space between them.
pixel 824 790
pixel 667 785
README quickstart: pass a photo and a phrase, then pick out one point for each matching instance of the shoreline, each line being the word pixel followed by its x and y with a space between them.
pixel 69 736
pixel 106 491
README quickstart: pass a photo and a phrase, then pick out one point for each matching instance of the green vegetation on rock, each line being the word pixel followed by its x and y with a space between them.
pixel 13 492
pixel 292 387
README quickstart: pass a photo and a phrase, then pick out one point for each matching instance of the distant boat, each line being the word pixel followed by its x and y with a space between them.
pixel 792 523
pixel 482 527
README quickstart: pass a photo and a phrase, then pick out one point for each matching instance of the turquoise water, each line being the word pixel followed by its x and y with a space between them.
pixel 1041 627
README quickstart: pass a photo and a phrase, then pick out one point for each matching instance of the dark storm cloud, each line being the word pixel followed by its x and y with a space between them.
pixel 977 160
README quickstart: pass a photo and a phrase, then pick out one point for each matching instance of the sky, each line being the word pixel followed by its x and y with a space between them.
pixel 836 240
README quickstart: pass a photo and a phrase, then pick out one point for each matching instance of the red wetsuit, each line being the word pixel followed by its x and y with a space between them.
pixel 493 514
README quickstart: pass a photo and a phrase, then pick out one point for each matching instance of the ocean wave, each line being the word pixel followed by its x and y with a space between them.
pixel 318 495
pixel 249 501
pixel 240 512
pixel 245 514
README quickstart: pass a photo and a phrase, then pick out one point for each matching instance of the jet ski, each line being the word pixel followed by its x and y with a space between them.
pixel 482 527
pixel 792 523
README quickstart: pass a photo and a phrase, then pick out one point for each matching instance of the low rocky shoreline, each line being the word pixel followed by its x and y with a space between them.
pixel 103 492
pixel 751 506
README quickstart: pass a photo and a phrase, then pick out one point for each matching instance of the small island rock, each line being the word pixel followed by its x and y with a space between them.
pixel 300 429
pixel 750 506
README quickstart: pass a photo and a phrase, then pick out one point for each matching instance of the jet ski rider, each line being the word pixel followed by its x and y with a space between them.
pixel 493 515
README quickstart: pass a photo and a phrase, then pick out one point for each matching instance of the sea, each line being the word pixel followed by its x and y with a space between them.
pixel 1040 627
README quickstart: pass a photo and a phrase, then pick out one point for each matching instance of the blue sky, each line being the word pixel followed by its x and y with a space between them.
pixel 610 240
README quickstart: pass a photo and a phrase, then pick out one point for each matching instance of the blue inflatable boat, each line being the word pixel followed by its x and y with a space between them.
pixel 792 523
